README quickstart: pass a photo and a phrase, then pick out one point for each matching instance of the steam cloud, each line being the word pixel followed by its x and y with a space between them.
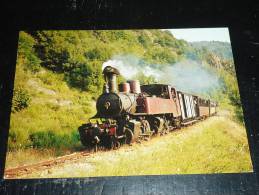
pixel 191 76
pixel 188 75
pixel 129 66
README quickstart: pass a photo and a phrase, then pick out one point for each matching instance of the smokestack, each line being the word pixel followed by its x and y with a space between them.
pixel 110 76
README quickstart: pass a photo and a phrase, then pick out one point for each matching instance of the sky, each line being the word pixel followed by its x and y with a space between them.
pixel 201 34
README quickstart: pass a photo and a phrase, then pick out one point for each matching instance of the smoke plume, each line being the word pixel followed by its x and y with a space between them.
pixel 187 75
pixel 129 66
pixel 191 76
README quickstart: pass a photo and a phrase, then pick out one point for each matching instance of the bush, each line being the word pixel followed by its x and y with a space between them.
pixel 18 139
pixel 232 91
pixel 161 56
pixel 21 99
pixel 26 52
pixel 86 76
pixel 50 139
pixel 144 40
pixel 98 53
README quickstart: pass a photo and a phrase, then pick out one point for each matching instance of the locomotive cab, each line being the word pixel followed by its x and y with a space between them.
pixel 157 90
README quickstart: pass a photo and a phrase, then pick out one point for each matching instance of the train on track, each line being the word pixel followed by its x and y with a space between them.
pixel 135 112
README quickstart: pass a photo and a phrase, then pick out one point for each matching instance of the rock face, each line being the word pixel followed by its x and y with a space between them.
pixel 35 84
pixel 64 102
pixel 215 61
pixel 60 102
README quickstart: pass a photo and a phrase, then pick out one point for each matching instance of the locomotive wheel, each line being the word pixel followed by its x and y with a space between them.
pixel 95 148
pixel 112 143
pixel 117 145
pixel 166 128
pixel 83 137
pixel 128 136
pixel 107 142
pixel 178 124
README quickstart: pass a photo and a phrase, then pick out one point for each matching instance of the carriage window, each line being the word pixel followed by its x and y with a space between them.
pixel 165 92
pixel 173 92
pixel 204 102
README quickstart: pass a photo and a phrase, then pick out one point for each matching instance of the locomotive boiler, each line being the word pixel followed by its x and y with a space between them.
pixel 135 112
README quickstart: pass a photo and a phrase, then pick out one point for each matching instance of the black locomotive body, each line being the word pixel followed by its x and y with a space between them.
pixel 135 112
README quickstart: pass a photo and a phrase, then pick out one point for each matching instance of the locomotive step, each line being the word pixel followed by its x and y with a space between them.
pixel 145 134
pixel 189 122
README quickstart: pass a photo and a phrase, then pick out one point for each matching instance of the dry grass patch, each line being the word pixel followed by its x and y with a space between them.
pixel 29 156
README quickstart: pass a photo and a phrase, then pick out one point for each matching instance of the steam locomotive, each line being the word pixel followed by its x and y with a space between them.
pixel 137 112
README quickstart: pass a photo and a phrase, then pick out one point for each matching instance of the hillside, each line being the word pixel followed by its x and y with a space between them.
pixel 58 78
pixel 222 49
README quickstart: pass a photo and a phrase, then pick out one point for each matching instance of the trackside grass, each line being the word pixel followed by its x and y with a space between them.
pixel 216 145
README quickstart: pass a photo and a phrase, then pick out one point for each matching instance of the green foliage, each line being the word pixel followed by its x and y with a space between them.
pixel 79 54
pixel 70 64
pixel 161 56
pixel 143 79
pixel 222 49
pixel 98 53
pixel 218 56
pixel 230 89
pixel 61 111
pixel 220 146
pixel 26 52
pixel 121 79
pixel 21 99
pixel 43 139
pixel 80 76
pixel 65 52
pixel 86 76
pixel 18 139
pixel 49 139
pixel 144 40
pixel 228 65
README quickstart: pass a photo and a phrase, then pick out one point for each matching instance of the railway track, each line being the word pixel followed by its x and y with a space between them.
pixel 27 169
pixel 17 172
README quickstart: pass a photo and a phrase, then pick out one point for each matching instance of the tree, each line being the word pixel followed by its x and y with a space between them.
pixel 26 52
pixel 85 76
pixel 143 79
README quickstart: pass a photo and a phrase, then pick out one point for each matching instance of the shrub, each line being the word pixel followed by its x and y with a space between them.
pixel 26 52
pixel 21 99
pixel 144 40
pixel 86 76
pixel 100 53
pixel 18 139
pixel 50 139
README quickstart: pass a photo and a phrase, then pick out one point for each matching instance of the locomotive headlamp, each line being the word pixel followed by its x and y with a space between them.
pixel 107 105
